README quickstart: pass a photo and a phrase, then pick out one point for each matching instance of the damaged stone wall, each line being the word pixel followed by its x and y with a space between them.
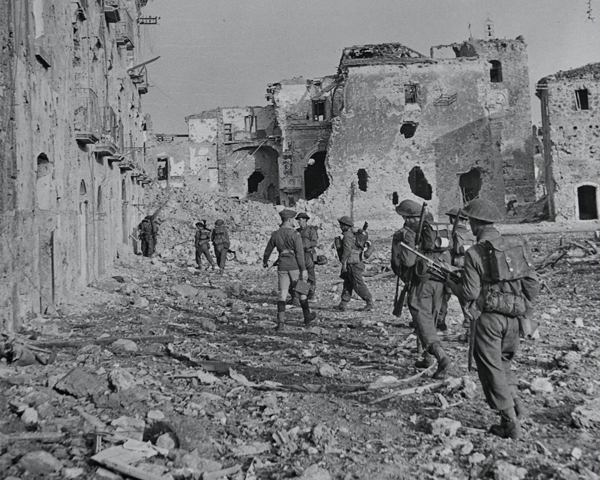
pixel 570 103
pixel 74 152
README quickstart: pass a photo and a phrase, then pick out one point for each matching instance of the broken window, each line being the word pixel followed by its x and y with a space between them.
pixel 228 134
pixel 254 180
pixel 496 71
pixel 163 169
pixel 587 200
pixel 395 198
pixel 419 184
pixel 408 129
pixel 316 180
pixel 582 98
pixel 250 123
pixel 363 179
pixel 411 93
pixel 318 110
pixel 470 184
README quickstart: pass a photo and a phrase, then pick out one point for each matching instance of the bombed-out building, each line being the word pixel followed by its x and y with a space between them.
pixel 72 137
pixel 392 123
pixel 570 102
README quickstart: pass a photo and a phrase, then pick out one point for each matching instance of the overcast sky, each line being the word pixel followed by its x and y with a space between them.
pixel 225 52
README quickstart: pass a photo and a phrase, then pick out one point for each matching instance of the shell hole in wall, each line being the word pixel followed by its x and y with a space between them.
pixel 419 184
pixel 470 184
pixel 316 180
pixel 254 180
pixel 408 129
pixel 395 198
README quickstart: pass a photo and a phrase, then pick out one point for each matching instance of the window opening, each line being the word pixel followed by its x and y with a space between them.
pixel 410 93
pixel 582 99
pixel 254 180
pixel 470 185
pixel 316 180
pixel 363 179
pixel 250 123
pixel 419 184
pixel 318 110
pixel 395 198
pixel 228 133
pixel 408 129
pixel 496 71
pixel 588 207
pixel 163 169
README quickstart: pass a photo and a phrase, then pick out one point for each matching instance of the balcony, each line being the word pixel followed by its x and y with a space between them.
pixel 112 11
pixel 88 121
pixel 124 31
pixel 140 78
pixel 112 133
pixel 82 9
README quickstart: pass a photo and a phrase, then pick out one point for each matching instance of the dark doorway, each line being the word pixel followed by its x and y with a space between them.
pixel 582 98
pixel 254 180
pixel 419 184
pixel 163 169
pixel 586 197
pixel 316 180
pixel 470 185
pixel 363 179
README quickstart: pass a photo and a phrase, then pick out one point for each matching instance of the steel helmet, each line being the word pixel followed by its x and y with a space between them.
pixel 483 210
pixel 346 220
pixel 453 212
pixel 409 208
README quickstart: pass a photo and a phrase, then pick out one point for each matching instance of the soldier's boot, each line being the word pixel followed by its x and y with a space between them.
pixel 368 307
pixel 441 325
pixel 427 360
pixel 342 307
pixel 280 317
pixel 308 315
pixel 509 425
pixel 444 362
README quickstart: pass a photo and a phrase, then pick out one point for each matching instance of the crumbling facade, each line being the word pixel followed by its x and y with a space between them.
pixel 72 136
pixel 570 103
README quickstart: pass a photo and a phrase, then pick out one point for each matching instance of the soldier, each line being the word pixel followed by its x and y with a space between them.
pixel 426 292
pixel 350 254
pixel 220 241
pixel 310 238
pixel 496 338
pixel 460 242
pixel 148 231
pixel 290 265
pixel 202 244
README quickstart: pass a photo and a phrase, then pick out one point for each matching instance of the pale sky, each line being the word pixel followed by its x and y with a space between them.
pixel 225 52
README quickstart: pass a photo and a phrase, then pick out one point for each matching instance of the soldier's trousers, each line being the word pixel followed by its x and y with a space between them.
pixel 424 302
pixel 496 343
pixel 312 277
pixel 444 309
pixel 201 250
pixel 221 254
pixel 147 245
pixel 354 281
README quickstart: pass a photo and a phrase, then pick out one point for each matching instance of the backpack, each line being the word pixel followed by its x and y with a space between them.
pixel 204 234
pixel 361 237
pixel 436 236
pixel 146 227
pixel 220 235
pixel 510 259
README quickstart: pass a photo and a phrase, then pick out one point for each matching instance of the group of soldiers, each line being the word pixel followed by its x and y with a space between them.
pixel 219 237
pixel 495 295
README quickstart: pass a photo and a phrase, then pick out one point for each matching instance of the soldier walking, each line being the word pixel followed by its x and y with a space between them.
pixel 426 292
pixel 460 242
pixel 350 255
pixel 220 241
pixel 148 231
pixel 497 324
pixel 202 243
pixel 290 265
pixel 310 239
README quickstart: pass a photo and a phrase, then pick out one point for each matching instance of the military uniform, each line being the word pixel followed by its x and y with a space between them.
pixel 148 231
pixel 310 239
pixel 459 243
pixel 289 265
pixel 426 294
pixel 202 244
pixel 496 335
pixel 352 267
pixel 220 241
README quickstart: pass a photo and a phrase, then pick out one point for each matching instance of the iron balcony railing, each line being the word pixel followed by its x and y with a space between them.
pixel 88 120
pixel 124 30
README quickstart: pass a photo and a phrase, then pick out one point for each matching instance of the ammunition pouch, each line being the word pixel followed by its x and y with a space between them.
pixel 422 270
pixel 511 304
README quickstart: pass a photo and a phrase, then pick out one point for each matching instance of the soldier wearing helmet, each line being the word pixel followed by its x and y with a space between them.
pixel 310 239
pixel 426 292
pixel 202 244
pixel 349 253
pixel 496 330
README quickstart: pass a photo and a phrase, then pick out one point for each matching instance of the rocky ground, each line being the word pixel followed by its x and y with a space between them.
pixel 165 371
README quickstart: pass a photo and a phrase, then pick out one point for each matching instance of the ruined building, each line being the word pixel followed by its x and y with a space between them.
pixel 571 135
pixel 72 137
pixel 391 124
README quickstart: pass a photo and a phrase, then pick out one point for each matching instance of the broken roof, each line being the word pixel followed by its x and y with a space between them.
pixel 382 53
pixel 590 71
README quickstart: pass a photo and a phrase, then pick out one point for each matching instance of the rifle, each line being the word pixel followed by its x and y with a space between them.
pixel 155 214
pixel 435 268
pixel 399 301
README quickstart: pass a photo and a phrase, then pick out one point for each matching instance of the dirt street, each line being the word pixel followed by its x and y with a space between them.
pixel 181 374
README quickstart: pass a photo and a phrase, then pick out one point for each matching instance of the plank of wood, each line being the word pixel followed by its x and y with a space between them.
pixel 128 470
pixel 104 341
pixel 221 473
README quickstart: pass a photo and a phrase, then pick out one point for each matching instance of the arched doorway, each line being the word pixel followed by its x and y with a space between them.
pixel 588 202
pixel 83 233
pixel 316 180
